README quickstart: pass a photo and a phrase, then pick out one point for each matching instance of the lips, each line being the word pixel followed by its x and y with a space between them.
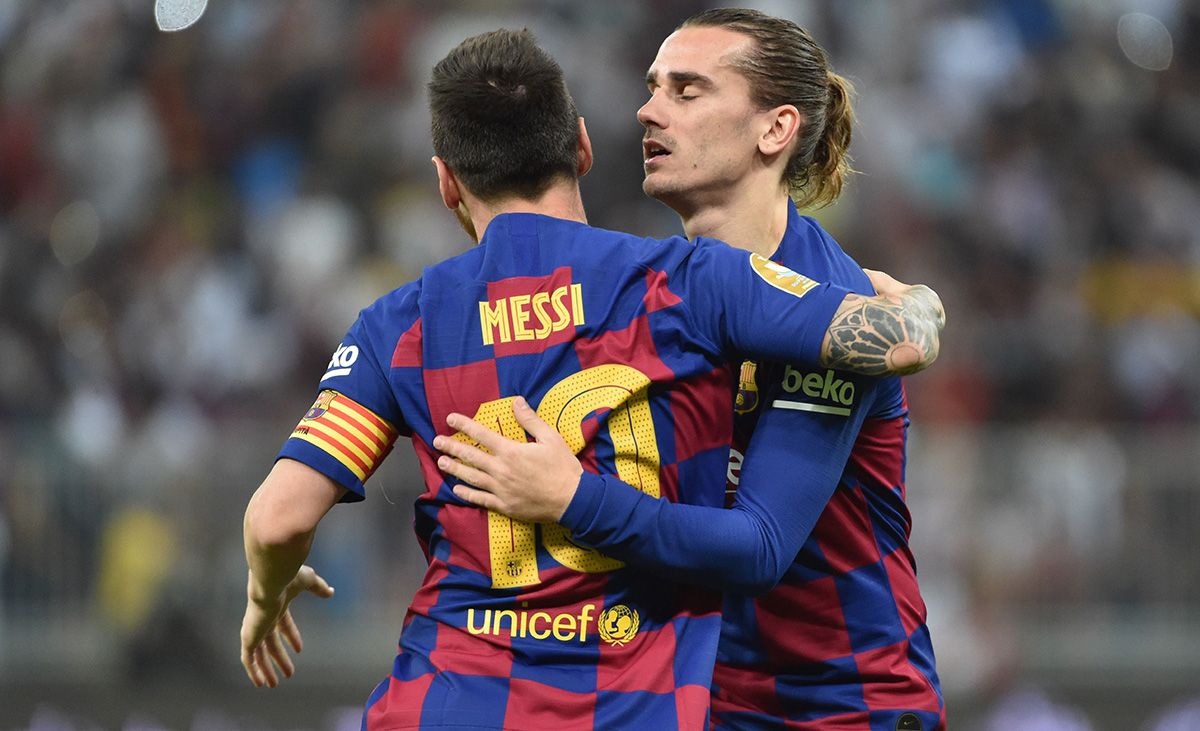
pixel 654 151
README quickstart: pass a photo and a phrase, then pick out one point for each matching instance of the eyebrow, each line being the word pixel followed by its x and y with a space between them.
pixel 680 77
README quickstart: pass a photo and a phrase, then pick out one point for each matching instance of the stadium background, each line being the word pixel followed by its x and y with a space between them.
pixel 189 221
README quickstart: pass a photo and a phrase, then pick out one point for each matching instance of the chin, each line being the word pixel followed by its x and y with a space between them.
pixel 657 188
pixel 671 196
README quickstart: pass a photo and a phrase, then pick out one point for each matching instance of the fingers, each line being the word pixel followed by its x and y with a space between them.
pixel 480 498
pixel 264 665
pixel 462 451
pixel 884 283
pixel 314 583
pixel 251 666
pixel 878 275
pixel 290 632
pixel 465 472
pixel 277 653
pixel 532 423
pixel 487 438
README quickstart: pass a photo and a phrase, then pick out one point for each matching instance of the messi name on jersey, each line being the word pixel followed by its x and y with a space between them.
pixel 528 314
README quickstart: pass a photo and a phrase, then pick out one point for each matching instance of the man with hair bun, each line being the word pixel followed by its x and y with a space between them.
pixel 745 123
pixel 622 342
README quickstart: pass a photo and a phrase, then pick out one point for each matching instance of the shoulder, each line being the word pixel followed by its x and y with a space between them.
pixel 840 267
pixel 381 323
pixel 640 248
pixel 402 302
pixel 614 248
pixel 704 247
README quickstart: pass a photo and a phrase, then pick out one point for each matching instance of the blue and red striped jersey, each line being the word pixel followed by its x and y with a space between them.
pixel 620 343
pixel 819 529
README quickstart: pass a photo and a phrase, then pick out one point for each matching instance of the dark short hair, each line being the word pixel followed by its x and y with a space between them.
pixel 786 66
pixel 503 119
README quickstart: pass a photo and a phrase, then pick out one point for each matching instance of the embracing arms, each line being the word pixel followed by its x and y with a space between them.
pixel 896 332
pixel 783 490
pixel 745 549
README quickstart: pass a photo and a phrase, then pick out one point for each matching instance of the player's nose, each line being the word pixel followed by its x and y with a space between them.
pixel 651 114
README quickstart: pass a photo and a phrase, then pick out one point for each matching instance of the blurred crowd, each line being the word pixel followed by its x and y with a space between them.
pixel 190 221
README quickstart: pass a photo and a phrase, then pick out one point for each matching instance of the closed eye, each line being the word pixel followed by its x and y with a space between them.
pixel 683 85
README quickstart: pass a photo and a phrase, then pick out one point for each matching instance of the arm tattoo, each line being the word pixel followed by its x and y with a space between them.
pixel 878 336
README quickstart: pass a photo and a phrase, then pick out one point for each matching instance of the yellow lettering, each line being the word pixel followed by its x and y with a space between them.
pixel 540 300
pixel 494 317
pixel 577 301
pixel 533 630
pixel 487 616
pixel 520 316
pixel 500 614
pixel 563 315
pixel 812 385
pixel 585 617
pixel 564 627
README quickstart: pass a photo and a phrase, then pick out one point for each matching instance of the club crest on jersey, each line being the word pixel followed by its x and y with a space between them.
pixel 324 399
pixel 780 277
pixel 747 395
pixel 618 624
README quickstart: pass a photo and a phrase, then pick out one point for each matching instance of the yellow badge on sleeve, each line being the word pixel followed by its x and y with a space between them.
pixel 780 277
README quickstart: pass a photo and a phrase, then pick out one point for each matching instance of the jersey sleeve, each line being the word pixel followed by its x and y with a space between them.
pixel 355 420
pixel 746 304
pixel 792 467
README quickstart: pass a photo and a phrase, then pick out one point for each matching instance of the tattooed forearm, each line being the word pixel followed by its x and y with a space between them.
pixel 882 335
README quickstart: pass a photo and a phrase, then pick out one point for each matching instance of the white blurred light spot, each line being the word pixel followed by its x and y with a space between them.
pixel 1145 41
pixel 173 15
pixel 93 425
pixel 74 232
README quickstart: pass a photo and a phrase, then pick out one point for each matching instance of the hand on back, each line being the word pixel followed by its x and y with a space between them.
pixel 529 481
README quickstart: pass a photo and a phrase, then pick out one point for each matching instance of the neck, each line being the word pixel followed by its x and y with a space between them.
pixel 748 220
pixel 561 200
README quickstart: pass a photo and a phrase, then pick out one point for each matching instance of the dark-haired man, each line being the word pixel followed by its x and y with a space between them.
pixel 620 341
pixel 744 111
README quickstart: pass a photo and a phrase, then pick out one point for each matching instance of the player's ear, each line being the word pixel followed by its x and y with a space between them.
pixel 583 156
pixel 784 126
pixel 447 184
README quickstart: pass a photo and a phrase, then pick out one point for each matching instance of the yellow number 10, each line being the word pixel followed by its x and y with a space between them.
pixel 512 544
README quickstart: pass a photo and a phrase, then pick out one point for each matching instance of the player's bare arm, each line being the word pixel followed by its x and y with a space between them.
pixel 896 332
pixel 278 530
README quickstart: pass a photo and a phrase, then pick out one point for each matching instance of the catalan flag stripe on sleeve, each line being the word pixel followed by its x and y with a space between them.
pixel 347 431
